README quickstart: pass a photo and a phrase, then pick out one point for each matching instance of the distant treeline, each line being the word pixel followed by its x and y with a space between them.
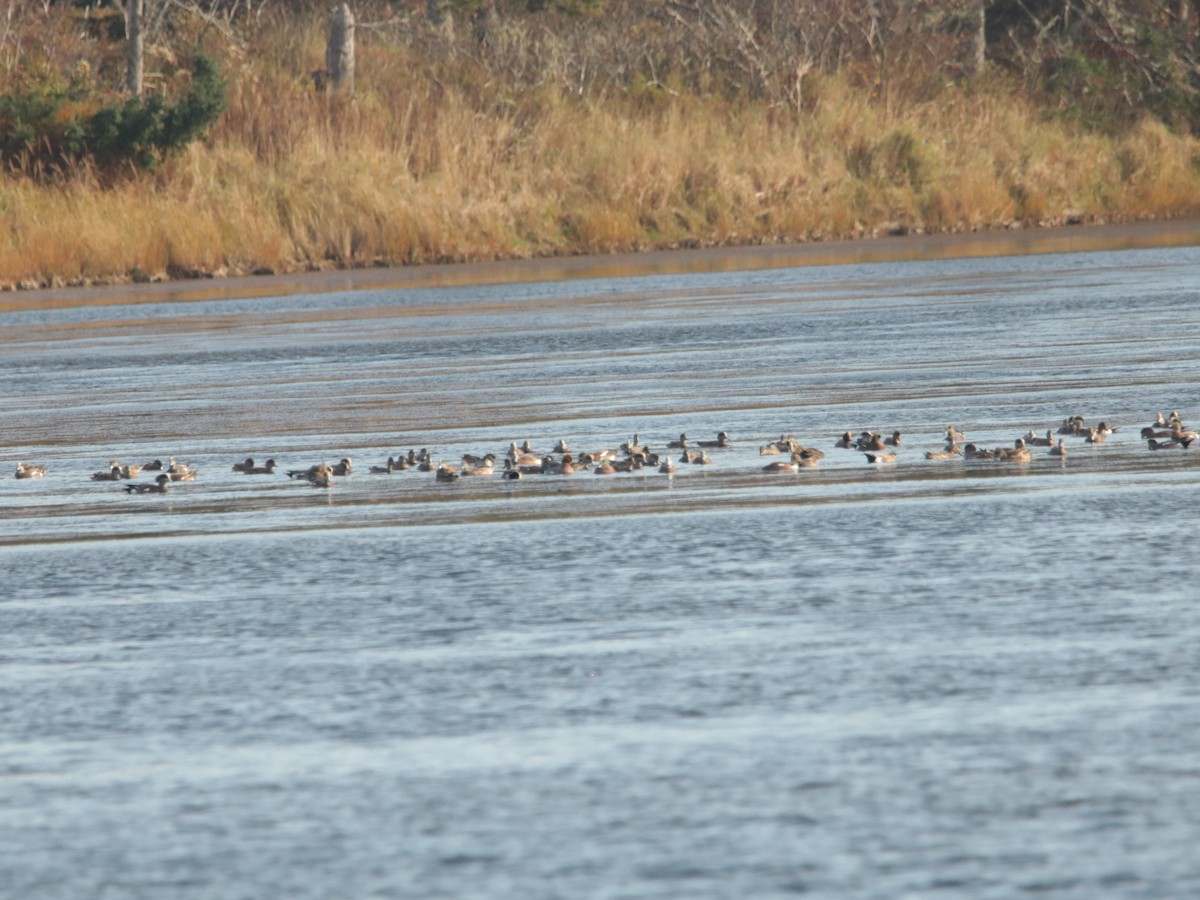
pixel 1104 62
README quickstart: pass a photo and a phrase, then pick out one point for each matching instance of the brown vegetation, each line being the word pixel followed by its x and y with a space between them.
pixel 649 124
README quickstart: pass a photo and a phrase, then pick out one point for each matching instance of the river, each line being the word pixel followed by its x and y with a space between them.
pixel 941 677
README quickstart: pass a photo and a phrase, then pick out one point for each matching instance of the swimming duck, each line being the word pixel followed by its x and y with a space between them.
pixel 321 476
pixel 698 457
pixel 605 468
pixel 1034 441
pixel 667 466
pixel 446 472
pixel 1168 445
pixel 267 468
pixel 484 467
pixel 244 466
pixel 113 473
pixel 680 444
pixel 343 467
pixel 881 457
pixel 470 459
pixel 787 443
pixel 1073 425
pixel 953 434
pixel 1058 449
pixel 1018 452
pixel 155 465
pixel 972 452
pixel 1149 432
pixel 177 468
pixel 1095 436
pixel 159 486
pixel 846 440
pixel 781 467
pixel 872 442
pixel 951 452
pixel 721 441
pixel 1183 436
pixel 387 469
pixel 561 447
pixel 894 440
pixel 184 474
pixel 25 470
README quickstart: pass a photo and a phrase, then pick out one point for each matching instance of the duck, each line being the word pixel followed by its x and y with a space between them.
pixel 530 469
pixel 113 473
pixel 667 466
pixel 870 441
pixel 697 457
pixel 1034 441
pixel 184 474
pixel 953 434
pixel 972 452
pixel 470 459
pixel 267 468
pixel 343 467
pixel 561 446
pixel 1058 449
pixel 782 467
pixel 721 441
pixel 27 470
pixel 680 444
pixel 952 452
pixel 159 486
pixel 177 468
pixel 846 441
pixel 130 472
pixel 888 457
pixel 1168 444
pixel 1018 452
pixel 1095 435
pixel 155 465
pixel 386 469
pixel 445 472
pixel 1149 432
pixel 1183 436
pixel 1072 425
pixel 244 466
pixel 787 443
pixel 605 468
pixel 321 477
pixel 485 466
pixel 894 440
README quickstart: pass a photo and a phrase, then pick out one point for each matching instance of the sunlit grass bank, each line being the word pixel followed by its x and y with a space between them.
pixel 429 162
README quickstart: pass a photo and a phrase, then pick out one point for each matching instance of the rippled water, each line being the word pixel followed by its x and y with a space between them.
pixel 931 678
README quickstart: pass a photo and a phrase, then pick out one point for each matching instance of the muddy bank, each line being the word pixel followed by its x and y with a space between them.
pixel 1064 239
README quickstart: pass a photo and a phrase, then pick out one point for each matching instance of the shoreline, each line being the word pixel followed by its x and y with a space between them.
pixel 747 257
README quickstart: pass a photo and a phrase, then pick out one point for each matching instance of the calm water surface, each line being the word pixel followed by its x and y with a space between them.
pixel 960 679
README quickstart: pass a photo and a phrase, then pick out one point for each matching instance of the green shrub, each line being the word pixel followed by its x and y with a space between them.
pixel 48 130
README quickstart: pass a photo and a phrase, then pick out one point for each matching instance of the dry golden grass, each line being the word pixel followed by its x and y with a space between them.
pixel 431 162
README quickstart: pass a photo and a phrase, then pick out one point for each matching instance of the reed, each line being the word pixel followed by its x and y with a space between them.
pixel 435 159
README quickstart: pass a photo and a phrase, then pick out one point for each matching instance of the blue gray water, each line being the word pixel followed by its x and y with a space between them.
pixel 950 678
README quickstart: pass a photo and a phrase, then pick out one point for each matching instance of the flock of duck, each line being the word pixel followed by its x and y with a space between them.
pixel 1165 433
